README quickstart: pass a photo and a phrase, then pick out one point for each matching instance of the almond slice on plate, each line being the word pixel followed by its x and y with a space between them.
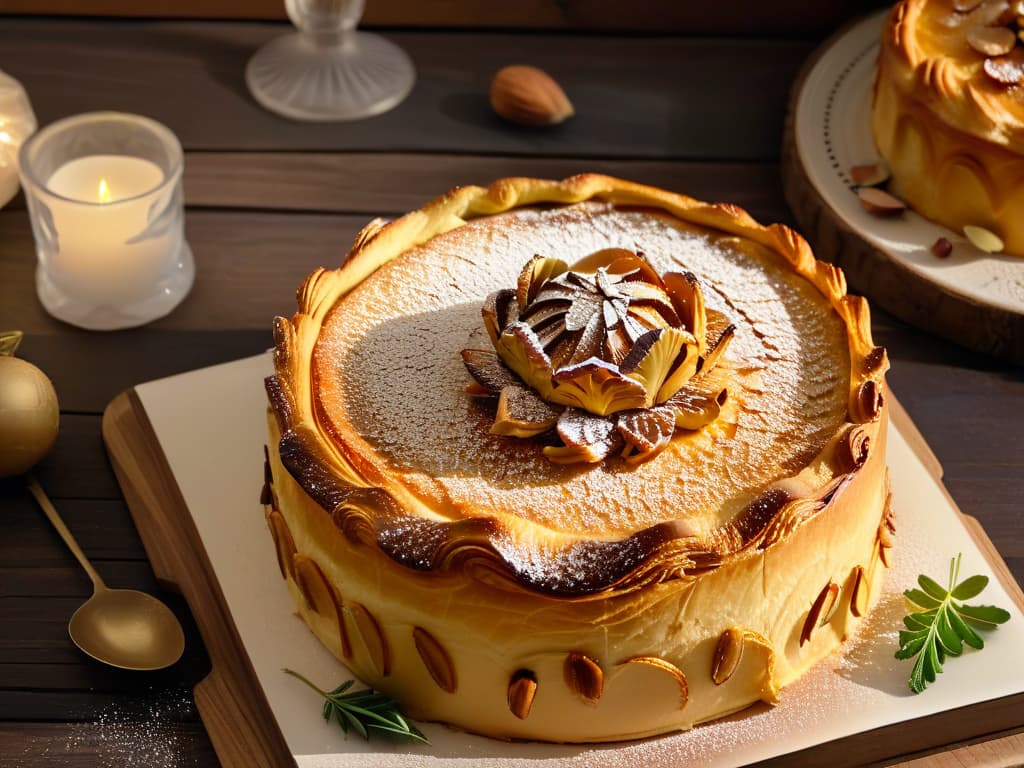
pixel 879 202
pixel 870 175
pixel 984 239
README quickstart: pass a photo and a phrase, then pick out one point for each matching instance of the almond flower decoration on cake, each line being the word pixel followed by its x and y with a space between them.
pixel 606 352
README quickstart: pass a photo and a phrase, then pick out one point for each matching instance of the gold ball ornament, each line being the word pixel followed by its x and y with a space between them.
pixel 29 415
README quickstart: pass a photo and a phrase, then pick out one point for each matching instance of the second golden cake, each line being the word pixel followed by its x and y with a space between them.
pixel 948 112
pixel 578 461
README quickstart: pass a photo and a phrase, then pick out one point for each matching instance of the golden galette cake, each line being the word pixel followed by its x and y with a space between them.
pixel 578 461
pixel 948 112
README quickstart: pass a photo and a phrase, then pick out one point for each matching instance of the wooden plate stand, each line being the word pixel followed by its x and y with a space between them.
pixel 231 701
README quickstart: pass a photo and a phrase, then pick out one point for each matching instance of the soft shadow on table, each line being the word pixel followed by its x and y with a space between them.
pixel 470 108
pixel 224 59
pixel 871 663
pixel 918 345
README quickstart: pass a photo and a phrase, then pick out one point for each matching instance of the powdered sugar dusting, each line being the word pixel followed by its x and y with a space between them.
pixel 400 379
pixel 139 732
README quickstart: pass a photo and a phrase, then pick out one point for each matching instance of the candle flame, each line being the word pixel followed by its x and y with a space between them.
pixel 104 193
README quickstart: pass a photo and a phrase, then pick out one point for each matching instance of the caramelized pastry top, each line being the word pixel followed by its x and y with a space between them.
pixel 370 393
pixel 390 370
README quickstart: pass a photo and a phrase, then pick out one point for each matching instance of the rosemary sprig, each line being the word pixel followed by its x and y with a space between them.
pixel 364 711
pixel 943 625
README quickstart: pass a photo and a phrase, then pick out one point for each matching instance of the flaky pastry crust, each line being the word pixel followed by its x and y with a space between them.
pixel 648 633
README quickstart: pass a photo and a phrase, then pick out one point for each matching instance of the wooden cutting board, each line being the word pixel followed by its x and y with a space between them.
pixel 232 703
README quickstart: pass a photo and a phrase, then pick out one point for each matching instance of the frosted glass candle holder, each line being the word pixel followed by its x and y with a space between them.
pixel 104 196
pixel 327 70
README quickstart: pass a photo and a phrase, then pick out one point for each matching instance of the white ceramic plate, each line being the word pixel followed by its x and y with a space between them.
pixel 833 133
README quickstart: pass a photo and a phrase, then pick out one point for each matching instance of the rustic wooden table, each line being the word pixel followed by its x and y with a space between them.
pixel 268 200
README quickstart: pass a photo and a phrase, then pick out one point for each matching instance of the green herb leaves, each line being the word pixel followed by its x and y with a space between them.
pixel 365 712
pixel 943 625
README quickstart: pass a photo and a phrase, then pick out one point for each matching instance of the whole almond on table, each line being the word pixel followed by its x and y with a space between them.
pixel 529 96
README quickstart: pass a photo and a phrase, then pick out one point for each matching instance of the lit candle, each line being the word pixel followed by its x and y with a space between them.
pixel 105 178
pixel 104 194
pixel 100 254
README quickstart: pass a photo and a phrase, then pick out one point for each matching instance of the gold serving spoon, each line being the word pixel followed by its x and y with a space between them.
pixel 121 627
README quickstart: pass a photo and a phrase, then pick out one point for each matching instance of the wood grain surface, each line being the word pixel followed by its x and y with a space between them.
pixel 785 17
pixel 635 97
pixel 269 199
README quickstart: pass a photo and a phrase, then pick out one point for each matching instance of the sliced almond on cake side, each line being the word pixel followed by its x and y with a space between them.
pixel 584 677
pixel 728 653
pixel 522 689
pixel 436 659
pixel 284 544
pixel 822 610
pixel 313 585
pixel 374 642
pixel 886 532
pixel 859 596
pixel 339 608
pixel 667 666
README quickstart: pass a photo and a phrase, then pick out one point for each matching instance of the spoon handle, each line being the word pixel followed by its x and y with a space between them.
pixel 55 519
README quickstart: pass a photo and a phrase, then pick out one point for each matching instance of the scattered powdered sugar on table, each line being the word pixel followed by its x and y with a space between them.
pixel 142 733
pixel 394 371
